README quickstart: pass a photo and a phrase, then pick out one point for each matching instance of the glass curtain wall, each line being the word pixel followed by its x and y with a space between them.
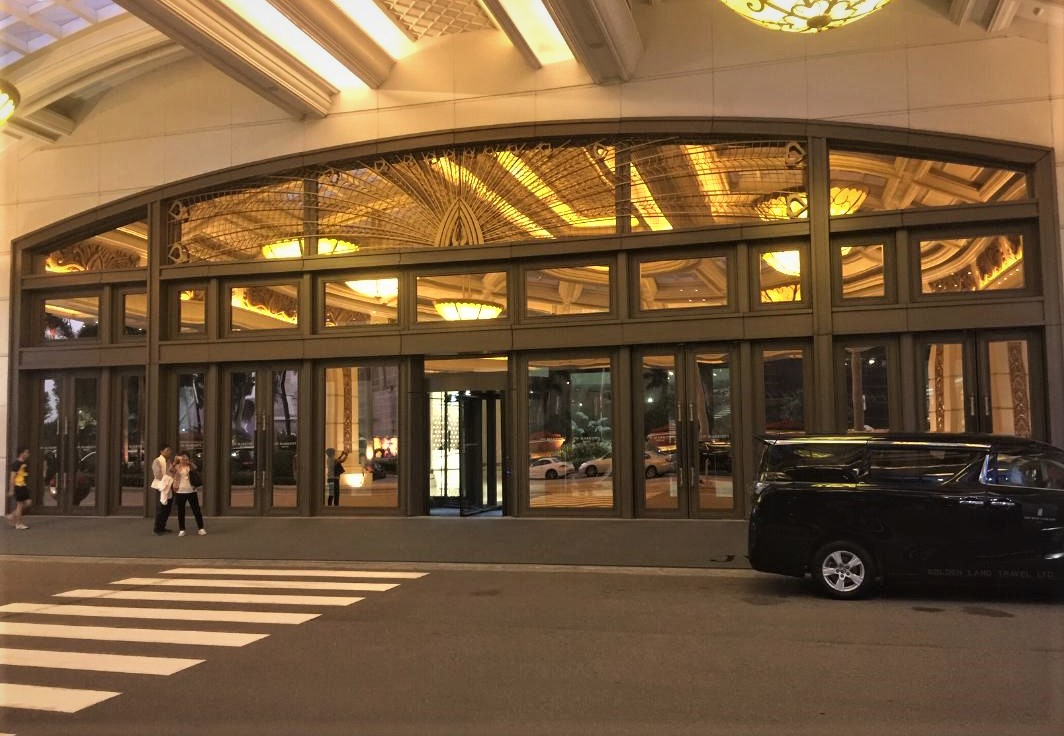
pixel 360 469
pixel 570 418
pixel 131 450
pixel 691 194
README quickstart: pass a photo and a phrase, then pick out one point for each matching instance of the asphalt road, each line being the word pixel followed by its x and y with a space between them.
pixel 496 650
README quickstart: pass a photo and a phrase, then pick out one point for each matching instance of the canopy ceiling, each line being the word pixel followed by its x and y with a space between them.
pixel 63 54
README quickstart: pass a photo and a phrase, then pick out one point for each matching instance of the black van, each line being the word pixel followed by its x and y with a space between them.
pixel 855 509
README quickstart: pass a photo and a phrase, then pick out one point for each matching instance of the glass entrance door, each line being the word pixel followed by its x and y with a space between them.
pixel 982 382
pixel 467 450
pixel 684 412
pixel 262 438
pixel 68 417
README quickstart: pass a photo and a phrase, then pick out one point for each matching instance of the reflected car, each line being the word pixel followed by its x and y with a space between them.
pixel 654 464
pixel 550 468
pixel 854 511
pixel 598 466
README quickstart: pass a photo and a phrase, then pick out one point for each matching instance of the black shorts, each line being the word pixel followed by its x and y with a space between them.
pixel 22 493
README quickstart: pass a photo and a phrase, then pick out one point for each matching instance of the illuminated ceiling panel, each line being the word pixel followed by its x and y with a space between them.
pixel 30 25
pixel 435 18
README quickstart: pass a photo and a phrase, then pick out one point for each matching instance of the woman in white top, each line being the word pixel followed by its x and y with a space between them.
pixel 185 492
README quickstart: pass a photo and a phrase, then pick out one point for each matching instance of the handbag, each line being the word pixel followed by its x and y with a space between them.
pixel 195 478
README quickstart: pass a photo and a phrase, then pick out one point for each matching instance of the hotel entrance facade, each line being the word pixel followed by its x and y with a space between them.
pixel 594 321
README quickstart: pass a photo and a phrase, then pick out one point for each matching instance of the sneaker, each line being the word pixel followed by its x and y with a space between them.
pixel 181 533
pixel 202 532
pixel 21 526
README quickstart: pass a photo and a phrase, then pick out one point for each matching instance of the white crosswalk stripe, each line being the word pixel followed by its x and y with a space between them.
pixel 187 614
pixel 59 699
pixel 176 597
pixel 287 584
pixel 110 633
pixel 95 662
pixel 253 571
pixel 329 588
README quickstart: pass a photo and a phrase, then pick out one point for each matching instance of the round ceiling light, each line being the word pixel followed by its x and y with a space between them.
pixel 9 99
pixel 804 16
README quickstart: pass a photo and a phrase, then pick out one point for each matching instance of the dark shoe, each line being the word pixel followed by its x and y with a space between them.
pixel 160 532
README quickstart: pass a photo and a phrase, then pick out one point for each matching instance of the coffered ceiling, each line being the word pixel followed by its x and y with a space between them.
pixel 63 54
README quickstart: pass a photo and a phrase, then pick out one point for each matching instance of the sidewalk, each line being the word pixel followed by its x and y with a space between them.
pixel 500 540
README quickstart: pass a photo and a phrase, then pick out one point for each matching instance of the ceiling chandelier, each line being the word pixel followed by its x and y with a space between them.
pixel 454 310
pixel 795 205
pixel 294 248
pixel 9 100
pixel 804 16
pixel 382 289
pixel 787 262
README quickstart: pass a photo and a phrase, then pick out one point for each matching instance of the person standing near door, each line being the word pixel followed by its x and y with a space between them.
pixel 162 482
pixel 334 465
pixel 18 486
pixel 186 492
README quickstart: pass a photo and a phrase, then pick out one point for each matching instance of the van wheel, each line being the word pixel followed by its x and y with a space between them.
pixel 843 570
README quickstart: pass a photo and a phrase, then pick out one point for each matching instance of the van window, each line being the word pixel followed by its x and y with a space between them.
pixel 1033 469
pixel 812 462
pixel 919 465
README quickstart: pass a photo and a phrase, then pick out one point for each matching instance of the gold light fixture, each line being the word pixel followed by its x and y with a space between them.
pixel 787 262
pixel 294 248
pixel 9 99
pixel 795 205
pixel 454 310
pixel 382 289
pixel 55 265
pixel 804 16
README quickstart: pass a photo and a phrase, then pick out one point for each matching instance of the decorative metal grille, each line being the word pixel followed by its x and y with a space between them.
pixel 524 191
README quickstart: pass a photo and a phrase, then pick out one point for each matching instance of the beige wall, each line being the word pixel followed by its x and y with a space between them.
pixel 908 66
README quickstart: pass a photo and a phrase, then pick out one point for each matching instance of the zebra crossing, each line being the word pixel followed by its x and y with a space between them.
pixel 262 588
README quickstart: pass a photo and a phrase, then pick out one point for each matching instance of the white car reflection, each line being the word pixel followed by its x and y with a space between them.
pixel 550 468
pixel 654 464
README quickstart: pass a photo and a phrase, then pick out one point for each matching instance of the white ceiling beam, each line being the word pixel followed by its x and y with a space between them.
pixel 223 38
pixel 1001 15
pixel 335 32
pixel 78 8
pixel 602 35
pixel 41 127
pixel 960 11
pixel 38 24
pixel 15 44
pixel 115 49
pixel 495 9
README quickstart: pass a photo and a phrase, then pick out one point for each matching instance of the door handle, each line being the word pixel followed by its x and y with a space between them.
pixel 971 501
pixel 1003 503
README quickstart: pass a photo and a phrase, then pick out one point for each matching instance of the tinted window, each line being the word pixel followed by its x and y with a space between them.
pixel 917 464
pixel 812 462
pixel 1035 469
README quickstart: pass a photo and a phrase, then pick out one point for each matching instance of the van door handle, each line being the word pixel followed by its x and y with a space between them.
pixel 1003 503
pixel 971 501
